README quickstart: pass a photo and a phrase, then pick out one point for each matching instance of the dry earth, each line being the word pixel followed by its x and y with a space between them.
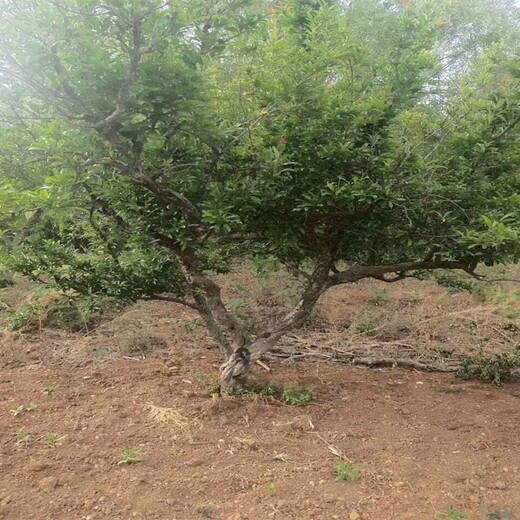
pixel 423 441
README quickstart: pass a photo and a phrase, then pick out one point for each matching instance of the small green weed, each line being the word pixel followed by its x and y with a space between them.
pixel 265 267
pixel 271 488
pixel 298 396
pixel 413 299
pixel 378 296
pixel 130 456
pixel 207 511
pixel 515 393
pixel 495 369
pixel 444 352
pixel 366 326
pixel 190 325
pixel 237 308
pixel 141 342
pixel 490 512
pixel 49 387
pixel 201 377
pixel 348 471
pixel 510 314
pixel 53 440
pixel 452 514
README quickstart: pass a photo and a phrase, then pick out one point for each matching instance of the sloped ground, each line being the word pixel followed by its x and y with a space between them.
pixel 423 441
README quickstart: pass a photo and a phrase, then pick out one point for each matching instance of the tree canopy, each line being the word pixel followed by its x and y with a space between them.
pixel 146 145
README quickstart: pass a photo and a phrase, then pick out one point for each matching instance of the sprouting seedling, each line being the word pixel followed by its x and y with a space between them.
pixel 49 387
pixel 283 457
pixel 53 440
pixel 19 410
pixel 22 437
pixel 271 488
pixel 130 456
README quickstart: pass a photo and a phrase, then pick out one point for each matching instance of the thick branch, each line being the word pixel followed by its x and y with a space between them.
pixel 315 287
pixel 357 272
pixel 207 296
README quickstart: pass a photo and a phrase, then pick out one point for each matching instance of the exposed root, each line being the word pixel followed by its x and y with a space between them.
pixel 373 354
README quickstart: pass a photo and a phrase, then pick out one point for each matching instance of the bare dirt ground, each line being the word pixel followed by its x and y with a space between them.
pixel 424 441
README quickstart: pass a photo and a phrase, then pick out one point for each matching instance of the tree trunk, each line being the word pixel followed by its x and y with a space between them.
pixel 235 371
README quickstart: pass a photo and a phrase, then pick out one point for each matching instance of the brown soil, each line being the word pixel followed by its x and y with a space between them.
pixel 141 381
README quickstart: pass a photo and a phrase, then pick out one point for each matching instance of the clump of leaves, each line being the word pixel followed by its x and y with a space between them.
pixel 130 456
pixel 258 387
pixel 50 387
pixel 454 281
pixel 298 396
pixel 452 514
pixel 24 316
pixel 73 312
pixel 348 471
pixel 495 369
pixel 53 440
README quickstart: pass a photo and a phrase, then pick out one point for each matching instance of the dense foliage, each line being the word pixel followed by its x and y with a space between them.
pixel 147 144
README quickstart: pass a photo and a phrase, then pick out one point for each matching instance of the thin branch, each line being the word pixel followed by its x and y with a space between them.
pixel 107 125
pixel 188 209
pixel 506 130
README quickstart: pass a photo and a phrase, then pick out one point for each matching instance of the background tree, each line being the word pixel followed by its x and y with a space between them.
pixel 146 145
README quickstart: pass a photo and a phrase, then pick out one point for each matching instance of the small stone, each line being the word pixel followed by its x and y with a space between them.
pixel 48 483
pixel 195 462
pixel 499 484
pixel 36 466
pixel 354 515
